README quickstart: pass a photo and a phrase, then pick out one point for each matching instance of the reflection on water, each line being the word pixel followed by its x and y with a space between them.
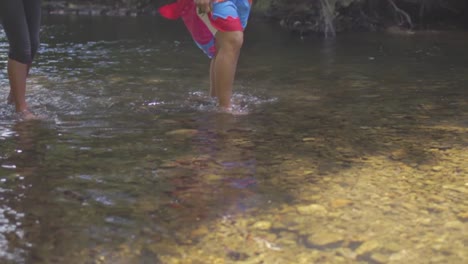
pixel 353 149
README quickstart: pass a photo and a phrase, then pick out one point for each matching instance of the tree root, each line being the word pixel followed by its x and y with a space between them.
pixel 328 16
pixel 402 14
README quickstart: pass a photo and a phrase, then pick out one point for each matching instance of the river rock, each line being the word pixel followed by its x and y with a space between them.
pixel 379 258
pixel 456 188
pixel 312 209
pixel 168 165
pixel 347 253
pixel 289 239
pixel 463 216
pixel 199 232
pixel 454 225
pixel 237 256
pixel 212 177
pixel 367 247
pixel 399 154
pixel 338 203
pixel 325 239
pixel 262 225
pixel 182 132
pixel 424 167
pixel 392 247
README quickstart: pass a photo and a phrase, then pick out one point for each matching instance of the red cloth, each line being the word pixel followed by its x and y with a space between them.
pixel 171 11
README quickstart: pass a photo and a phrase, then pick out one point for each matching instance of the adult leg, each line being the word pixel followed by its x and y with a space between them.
pixel 17 31
pixel 33 12
pixel 17 74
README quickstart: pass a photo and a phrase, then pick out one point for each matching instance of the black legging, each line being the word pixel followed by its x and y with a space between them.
pixel 21 20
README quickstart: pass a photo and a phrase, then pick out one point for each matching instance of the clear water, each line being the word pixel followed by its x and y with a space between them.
pixel 351 150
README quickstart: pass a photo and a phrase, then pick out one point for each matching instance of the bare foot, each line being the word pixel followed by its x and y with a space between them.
pixel 27 115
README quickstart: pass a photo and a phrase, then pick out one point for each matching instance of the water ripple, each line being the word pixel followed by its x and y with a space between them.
pixel 10 225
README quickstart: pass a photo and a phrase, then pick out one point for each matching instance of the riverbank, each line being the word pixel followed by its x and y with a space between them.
pixel 304 17
pixel 92 9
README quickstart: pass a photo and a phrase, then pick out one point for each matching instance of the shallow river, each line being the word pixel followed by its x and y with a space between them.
pixel 351 150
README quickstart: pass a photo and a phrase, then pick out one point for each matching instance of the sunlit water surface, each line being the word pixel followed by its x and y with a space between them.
pixel 347 150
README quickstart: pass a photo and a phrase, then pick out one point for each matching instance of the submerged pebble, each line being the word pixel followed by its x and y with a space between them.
pixel 312 209
pixel 325 239
pixel 182 132
pixel 367 247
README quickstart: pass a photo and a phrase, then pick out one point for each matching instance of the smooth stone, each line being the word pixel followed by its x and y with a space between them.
pixel 437 247
pixel 424 221
pixel 436 208
pixel 399 154
pixel 338 203
pixel 347 253
pixel 182 132
pixel 454 225
pixel 237 256
pixel 212 177
pixel 312 209
pixel 456 188
pixel 288 238
pixel 168 165
pixel 367 247
pixel 424 167
pixel 262 225
pixel 437 198
pixel 463 216
pixel 379 258
pixel 324 238
pixel 398 256
pixel 392 247
pixel 200 232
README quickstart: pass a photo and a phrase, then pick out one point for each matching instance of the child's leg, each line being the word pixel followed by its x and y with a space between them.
pixel 212 78
pixel 229 18
pixel 225 64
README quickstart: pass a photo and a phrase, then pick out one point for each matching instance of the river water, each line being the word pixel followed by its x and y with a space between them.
pixel 348 150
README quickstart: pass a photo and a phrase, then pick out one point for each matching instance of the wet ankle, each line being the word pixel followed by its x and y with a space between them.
pixel 22 108
pixel 27 115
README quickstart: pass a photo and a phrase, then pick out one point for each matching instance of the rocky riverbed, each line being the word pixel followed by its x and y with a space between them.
pixel 387 209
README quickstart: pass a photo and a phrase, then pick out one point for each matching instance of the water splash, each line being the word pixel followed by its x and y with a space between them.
pixel 242 103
